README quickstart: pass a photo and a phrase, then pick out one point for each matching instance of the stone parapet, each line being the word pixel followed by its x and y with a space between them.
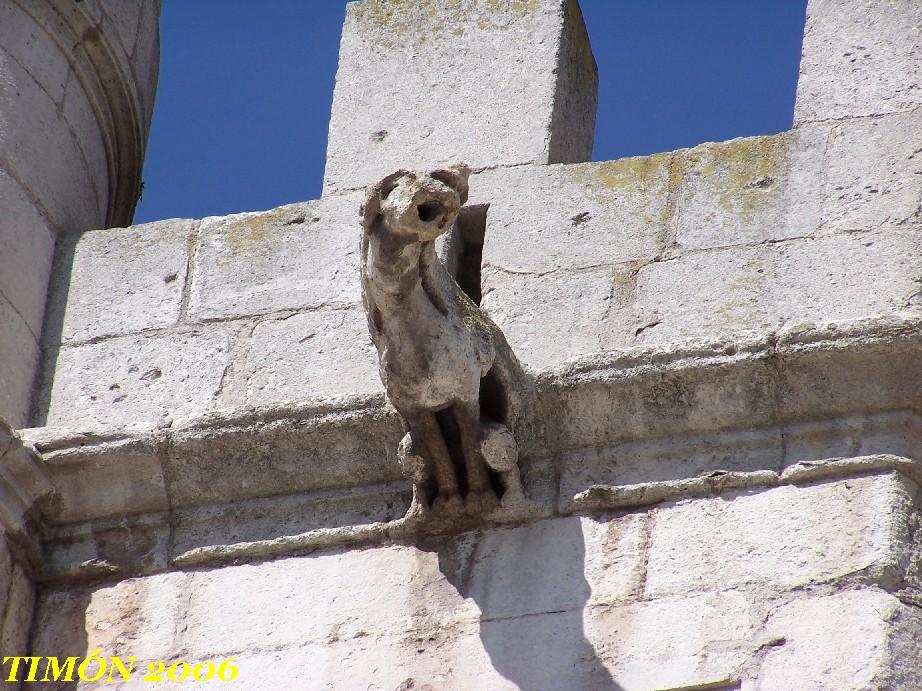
pixel 742 238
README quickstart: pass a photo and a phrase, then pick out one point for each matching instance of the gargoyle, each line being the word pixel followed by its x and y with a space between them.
pixel 446 367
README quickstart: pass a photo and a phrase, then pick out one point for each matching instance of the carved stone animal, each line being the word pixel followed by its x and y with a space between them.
pixel 446 367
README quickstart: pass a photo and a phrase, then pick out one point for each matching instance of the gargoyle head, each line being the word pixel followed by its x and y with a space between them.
pixel 418 206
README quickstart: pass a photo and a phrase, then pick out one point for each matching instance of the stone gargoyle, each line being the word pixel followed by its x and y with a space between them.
pixel 445 365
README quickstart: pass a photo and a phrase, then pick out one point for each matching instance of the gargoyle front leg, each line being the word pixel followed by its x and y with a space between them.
pixel 426 432
pixel 480 496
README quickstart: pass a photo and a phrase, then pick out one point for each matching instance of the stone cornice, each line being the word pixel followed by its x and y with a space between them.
pixel 23 485
pixel 622 429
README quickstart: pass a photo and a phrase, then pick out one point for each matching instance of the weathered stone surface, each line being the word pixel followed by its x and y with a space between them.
pixel 316 354
pixel 851 640
pixel 328 449
pixel 768 287
pixel 33 48
pixel 135 381
pixel 133 478
pixel 549 319
pixel 18 365
pixel 874 173
pixel 25 254
pixel 297 256
pixel 401 590
pixel 783 538
pixel 601 213
pixel 750 190
pixel 860 57
pixel 132 617
pixel 20 600
pixel 62 188
pixel 554 565
pixel 118 281
pixel 422 84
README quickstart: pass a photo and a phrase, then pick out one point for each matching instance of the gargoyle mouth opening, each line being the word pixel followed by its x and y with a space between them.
pixel 429 211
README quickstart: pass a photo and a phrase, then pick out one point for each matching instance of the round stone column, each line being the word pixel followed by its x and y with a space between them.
pixel 77 85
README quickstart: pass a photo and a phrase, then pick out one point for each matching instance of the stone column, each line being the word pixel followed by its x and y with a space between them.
pixel 77 84
pixel 489 83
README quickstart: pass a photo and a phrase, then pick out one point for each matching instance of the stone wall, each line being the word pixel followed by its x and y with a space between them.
pixel 23 484
pixel 721 457
pixel 762 234
pixel 77 84
pixel 748 588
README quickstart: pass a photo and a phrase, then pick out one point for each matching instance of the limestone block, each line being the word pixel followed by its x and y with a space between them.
pixel 118 281
pixel 874 172
pixel 546 218
pixel 766 287
pixel 425 83
pixel 715 293
pixel 34 49
pixel 14 634
pixel 133 478
pixel 351 594
pixel 302 255
pixel 19 359
pixel 555 565
pixel 750 190
pixel 80 117
pixel 339 448
pixel 33 132
pixel 863 639
pixel 860 57
pixel 138 616
pixel 549 319
pixel 687 642
pixel 845 277
pixel 599 648
pixel 784 537
pixel 26 248
pixel 312 355
pixel 135 382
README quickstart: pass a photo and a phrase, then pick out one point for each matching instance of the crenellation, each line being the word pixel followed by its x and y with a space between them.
pixel 860 58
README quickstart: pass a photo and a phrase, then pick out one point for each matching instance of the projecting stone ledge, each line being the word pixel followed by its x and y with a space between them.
pixel 626 429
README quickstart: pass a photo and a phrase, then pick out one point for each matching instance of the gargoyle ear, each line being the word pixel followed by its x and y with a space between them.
pixel 375 194
pixel 455 176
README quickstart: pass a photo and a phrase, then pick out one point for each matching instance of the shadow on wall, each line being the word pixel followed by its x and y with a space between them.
pixel 53 327
pixel 530 586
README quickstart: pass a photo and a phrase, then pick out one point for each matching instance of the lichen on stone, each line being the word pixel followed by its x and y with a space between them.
pixel 743 172
pixel 421 20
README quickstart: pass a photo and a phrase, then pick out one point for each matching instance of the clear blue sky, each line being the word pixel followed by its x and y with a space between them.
pixel 245 90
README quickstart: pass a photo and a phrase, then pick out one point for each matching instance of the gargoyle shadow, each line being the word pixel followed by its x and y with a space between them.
pixel 529 585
